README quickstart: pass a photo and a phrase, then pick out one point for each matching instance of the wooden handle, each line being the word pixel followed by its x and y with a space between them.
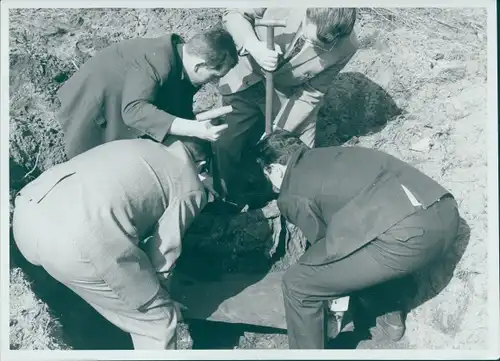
pixel 270 24
pixel 262 22
pixel 269 102
pixel 214 113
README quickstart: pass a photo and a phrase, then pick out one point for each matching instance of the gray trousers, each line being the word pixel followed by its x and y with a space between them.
pixel 45 242
pixel 403 249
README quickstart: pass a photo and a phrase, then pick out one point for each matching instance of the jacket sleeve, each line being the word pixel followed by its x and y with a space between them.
pixel 142 83
pixel 164 247
pixel 240 23
pixel 304 214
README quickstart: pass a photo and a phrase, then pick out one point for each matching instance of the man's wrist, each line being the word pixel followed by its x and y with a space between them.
pixel 192 128
pixel 184 127
pixel 251 44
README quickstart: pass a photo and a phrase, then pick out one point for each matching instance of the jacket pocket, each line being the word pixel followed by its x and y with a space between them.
pixel 401 234
pixel 51 188
pixel 44 184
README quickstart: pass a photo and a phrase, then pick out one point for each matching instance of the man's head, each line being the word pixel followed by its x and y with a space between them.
pixel 199 150
pixel 324 27
pixel 273 153
pixel 209 55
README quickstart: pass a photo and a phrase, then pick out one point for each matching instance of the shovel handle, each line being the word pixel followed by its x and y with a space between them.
pixel 270 22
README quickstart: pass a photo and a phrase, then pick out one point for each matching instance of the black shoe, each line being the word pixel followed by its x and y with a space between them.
pixel 333 324
pixel 389 326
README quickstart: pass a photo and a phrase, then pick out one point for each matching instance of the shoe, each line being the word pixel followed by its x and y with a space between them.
pixel 334 324
pixel 389 326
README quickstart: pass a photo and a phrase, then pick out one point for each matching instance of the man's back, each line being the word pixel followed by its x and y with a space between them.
pixel 112 62
pixel 118 212
pixel 350 193
pixel 132 179
pixel 125 91
pixel 337 174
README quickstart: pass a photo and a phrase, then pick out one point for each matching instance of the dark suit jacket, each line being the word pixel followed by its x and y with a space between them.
pixel 130 89
pixel 344 197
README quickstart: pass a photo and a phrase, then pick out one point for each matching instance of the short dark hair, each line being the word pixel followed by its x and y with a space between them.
pixel 277 148
pixel 198 149
pixel 332 23
pixel 216 46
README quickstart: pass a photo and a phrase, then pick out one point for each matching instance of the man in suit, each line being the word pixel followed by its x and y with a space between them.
pixel 143 88
pixel 316 44
pixel 369 218
pixel 109 224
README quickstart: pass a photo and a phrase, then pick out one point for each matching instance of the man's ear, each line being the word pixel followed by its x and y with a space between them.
pixel 200 166
pixel 198 66
pixel 268 170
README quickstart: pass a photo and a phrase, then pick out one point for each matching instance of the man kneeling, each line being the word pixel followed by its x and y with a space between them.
pixel 108 224
pixel 368 217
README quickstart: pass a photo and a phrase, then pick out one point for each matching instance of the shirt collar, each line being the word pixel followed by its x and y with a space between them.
pixel 292 162
pixel 295 38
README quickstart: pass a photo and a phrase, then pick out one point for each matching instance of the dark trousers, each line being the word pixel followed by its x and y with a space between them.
pixel 402 250
pixel 246 124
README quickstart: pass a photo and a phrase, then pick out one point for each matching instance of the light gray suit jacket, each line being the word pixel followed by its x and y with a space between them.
pixel 117 195
pixel 304 79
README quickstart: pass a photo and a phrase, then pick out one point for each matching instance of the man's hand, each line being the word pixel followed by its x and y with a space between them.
pixel 275 127
pixel 205 129
pixel 267 59
pixel 208 131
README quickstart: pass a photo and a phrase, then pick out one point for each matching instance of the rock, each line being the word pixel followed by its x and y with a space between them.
pixel 353 141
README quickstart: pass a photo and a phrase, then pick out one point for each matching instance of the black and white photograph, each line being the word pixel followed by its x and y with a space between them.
pixel 190 176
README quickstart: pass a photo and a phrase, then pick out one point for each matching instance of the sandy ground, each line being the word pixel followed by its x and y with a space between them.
pixel 416 89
